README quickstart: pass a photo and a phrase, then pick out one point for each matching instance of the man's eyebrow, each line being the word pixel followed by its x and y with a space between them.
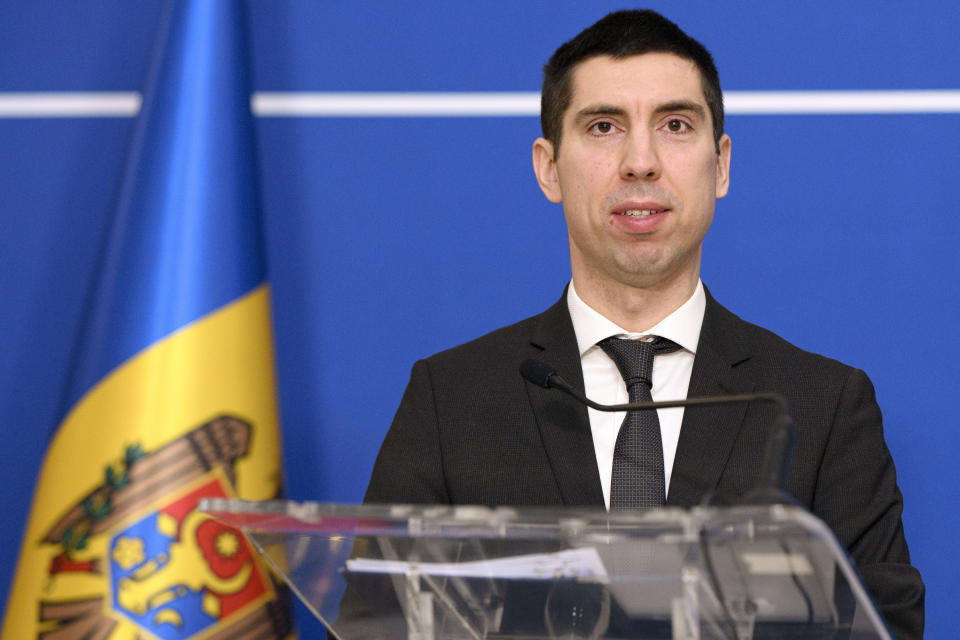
pixel 594 110
pixel 682 105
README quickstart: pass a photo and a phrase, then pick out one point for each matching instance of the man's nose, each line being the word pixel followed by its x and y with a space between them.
pixel 641 159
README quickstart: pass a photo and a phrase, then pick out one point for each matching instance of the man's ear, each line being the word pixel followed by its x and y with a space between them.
pixel 723 166
pixel 545 167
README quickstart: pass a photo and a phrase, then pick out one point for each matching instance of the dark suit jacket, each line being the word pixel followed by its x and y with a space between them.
pixel 470 430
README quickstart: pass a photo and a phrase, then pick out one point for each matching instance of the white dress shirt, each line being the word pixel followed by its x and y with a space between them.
pixel 604 384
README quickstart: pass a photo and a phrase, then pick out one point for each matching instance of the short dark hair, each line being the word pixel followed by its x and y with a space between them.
pixel 619 35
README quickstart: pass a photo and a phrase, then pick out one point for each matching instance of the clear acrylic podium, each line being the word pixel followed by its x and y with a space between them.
pixel 426 572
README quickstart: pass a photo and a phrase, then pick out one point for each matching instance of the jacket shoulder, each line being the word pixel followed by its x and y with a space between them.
pixel 746 340
pixel 509 345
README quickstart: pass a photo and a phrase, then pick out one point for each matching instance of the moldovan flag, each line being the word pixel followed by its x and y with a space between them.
pixel 172 393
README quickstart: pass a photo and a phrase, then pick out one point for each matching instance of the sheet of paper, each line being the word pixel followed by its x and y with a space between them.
pixel 570 563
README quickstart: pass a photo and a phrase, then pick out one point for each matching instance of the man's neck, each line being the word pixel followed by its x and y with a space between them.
pixel 636 309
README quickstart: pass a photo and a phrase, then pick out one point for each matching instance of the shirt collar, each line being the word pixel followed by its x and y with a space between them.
pixel 682 326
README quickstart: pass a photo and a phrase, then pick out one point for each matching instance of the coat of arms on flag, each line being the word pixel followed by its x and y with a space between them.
pixel 162 567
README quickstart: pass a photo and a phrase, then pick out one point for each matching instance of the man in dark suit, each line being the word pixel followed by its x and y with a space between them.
pixel 634 149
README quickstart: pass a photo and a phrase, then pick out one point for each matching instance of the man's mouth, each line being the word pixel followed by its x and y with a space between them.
pixel 640 213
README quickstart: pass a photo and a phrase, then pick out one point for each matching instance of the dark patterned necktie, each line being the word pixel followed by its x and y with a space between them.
pixel 638 480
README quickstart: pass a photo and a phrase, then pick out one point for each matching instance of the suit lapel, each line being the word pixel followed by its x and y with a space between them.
pixel 562 421
pixel 707 434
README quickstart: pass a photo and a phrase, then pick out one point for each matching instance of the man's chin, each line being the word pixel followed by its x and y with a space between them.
pixel 657 272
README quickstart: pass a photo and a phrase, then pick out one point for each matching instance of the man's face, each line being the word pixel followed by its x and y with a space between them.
pixel 637 171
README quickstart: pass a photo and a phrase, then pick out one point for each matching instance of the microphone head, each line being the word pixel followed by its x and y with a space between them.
pixel 539 373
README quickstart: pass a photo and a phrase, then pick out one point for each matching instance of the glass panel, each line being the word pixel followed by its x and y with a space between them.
pixel 471 572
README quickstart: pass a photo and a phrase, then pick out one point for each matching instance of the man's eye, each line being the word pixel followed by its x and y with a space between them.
pixel 677 126
pixel 603 127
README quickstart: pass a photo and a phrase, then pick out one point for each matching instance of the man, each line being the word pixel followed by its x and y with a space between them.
pixel 633 147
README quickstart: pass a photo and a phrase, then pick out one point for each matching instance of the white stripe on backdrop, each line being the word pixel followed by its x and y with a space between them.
pixel 489 104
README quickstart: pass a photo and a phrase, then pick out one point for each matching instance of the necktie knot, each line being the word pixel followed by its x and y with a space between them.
pixel 634 358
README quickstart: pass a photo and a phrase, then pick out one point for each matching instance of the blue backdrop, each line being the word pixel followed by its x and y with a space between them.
pixel 839 233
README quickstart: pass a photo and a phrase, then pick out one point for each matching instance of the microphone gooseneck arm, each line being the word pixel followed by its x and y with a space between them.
pixel 543 375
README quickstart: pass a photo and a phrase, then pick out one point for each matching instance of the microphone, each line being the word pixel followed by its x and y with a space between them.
pixel 776 461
